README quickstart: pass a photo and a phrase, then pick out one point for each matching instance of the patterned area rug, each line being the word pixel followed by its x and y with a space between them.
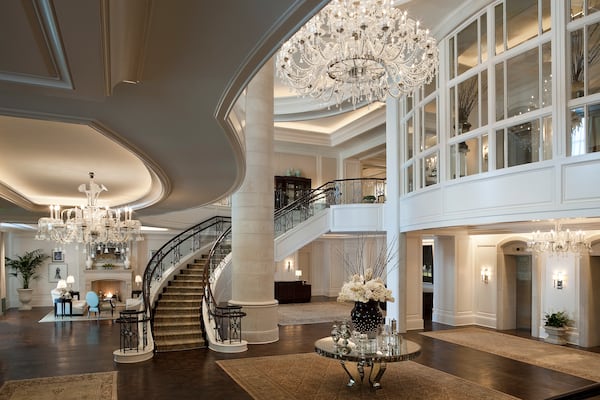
pixel 313 313
pixel 575 362
pixel 310 376
pixel 103 315
pixel 99 386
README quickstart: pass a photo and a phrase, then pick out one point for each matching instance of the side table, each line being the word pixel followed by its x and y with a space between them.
pixel 62 301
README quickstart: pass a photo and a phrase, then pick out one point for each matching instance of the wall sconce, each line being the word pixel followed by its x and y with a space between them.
pixel 558 280
pixel 298 274
pixel 138 280
pixel 485 275
pixel 289 265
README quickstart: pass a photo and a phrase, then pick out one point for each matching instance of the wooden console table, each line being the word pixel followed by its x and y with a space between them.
pixel 292 292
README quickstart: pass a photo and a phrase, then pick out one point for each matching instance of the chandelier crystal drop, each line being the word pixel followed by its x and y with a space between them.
pixel 91 224
pixel 358 51
pixel 559 241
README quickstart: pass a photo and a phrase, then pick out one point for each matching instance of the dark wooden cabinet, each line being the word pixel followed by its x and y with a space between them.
pixel 292 292
pixel 290 188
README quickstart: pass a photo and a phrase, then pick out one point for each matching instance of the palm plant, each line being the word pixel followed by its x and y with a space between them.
pixel 26 266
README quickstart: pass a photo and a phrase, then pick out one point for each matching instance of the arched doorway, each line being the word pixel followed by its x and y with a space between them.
pixel 515 287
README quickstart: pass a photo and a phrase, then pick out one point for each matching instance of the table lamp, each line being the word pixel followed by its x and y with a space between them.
pixel 70 281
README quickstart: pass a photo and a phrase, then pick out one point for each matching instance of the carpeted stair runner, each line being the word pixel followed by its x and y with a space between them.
pixel 177 323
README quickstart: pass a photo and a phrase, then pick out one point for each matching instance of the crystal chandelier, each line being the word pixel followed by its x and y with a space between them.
pixel 91 224
pixel 558 241
pixel 358 51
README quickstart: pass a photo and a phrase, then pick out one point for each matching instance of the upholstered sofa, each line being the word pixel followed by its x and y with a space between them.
pixel 79 306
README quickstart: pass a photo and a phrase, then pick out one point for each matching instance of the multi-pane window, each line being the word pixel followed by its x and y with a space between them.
pixel 585 130
pixel 495 93
pixel 420 126
pixel 581 8
pixel 583 66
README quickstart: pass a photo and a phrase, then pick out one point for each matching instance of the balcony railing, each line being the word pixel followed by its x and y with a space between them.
pixel 339 191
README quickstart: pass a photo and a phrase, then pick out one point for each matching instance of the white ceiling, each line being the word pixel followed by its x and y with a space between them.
pixel 138 93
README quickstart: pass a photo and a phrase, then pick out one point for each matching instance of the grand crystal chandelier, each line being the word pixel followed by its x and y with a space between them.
pixel 358 51
pixel 91 224
pixel 558 241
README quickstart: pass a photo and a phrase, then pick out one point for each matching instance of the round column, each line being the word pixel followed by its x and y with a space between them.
pixel 252 218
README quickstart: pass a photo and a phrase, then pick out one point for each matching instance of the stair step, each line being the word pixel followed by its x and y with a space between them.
pixel 168 319
pixel 181 303
pixel 177 345
pixel 177 335
pixel 177 324
pixel 177 308
pixel 168 296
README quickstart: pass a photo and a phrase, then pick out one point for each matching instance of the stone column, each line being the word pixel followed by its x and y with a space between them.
pixel 252 218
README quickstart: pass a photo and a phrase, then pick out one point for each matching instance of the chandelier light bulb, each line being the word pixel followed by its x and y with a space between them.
pixel 358 51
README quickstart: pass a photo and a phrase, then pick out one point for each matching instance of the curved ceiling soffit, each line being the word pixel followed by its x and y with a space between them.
pixel 285 26
pixel 160 186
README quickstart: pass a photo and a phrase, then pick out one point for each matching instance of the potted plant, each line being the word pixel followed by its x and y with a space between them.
pixel 555 325
pixel 25 267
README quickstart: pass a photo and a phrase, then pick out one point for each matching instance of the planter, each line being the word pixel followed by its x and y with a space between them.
pixel 556 335
pixel 25 296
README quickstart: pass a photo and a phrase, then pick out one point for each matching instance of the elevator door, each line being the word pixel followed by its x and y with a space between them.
pixel 523 300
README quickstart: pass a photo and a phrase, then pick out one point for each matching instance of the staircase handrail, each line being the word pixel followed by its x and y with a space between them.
pixel 335 192
pixel 155 267
pixel 216 313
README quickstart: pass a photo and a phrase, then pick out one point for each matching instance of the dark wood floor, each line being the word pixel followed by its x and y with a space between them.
pixel 30 349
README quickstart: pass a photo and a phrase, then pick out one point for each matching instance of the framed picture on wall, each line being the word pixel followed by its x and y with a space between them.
pixel 57 271
pixel 58 256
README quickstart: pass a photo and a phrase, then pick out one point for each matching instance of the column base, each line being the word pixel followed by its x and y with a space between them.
pixel 260 325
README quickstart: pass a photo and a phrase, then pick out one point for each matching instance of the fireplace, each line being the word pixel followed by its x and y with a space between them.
pixel 110 281
pixel 111 288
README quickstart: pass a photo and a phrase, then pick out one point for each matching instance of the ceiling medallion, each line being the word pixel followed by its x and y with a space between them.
pixel 91 224
pixel 358 51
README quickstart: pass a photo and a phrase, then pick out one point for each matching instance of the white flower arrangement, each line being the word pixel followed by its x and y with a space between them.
pixel 366 283
pixel 365 288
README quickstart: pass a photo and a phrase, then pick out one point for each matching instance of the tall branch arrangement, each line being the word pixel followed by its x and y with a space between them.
pixel 368 269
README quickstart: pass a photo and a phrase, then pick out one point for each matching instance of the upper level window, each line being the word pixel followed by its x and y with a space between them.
pixel 584 61
pixel 581 8
pixel 520 21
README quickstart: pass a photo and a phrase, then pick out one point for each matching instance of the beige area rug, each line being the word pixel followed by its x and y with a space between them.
pixel 571 361
pixel 103 315
pixel 313 313
pixel 99 386
pixel 310 376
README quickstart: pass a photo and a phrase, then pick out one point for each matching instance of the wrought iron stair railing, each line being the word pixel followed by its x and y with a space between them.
pixel 171 253
pixel 227 318
pixel 217 230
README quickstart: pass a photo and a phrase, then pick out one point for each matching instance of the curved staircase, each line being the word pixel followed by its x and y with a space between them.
pixel 177 319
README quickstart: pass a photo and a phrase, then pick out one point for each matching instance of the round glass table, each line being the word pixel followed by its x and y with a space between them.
pixel 376 360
